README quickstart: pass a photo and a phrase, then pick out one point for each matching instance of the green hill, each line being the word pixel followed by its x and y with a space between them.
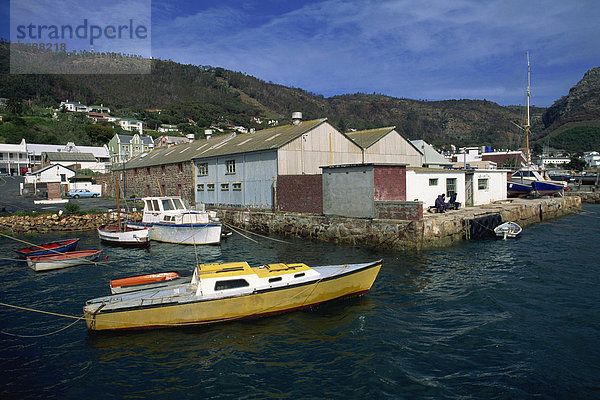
pixel 209 95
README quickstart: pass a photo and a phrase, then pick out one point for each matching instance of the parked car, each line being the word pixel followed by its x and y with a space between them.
pixel 77 193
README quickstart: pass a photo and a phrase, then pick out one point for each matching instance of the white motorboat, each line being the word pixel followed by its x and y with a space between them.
pixel 508 230
pixel 169 220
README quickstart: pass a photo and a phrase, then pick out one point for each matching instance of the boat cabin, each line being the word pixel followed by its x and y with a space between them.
pixel 238 278
pixel 170 209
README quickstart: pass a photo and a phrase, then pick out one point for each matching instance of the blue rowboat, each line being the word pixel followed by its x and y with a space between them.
pixel 48 248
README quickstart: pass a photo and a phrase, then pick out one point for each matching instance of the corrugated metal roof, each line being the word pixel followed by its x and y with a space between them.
pixel 266 139
pixel 430 155
pixel 369 137
pixel 69 156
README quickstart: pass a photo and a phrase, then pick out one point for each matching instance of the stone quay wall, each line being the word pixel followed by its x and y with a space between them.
pixel 432 231
pixel 22 225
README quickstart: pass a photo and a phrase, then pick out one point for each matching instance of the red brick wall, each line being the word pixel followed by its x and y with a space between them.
pixel 300 193
pixel 390 183
pixel 406 210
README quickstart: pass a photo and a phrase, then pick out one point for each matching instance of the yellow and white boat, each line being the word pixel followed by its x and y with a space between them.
pixel 229 291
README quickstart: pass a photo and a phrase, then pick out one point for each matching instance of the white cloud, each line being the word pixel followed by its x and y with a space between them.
pixel 394 47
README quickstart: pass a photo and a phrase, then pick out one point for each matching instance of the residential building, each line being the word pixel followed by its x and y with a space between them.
pixel 545 162
pixel 124 147
pixel 592 158
pixel 73 106
pixel 130 124
pixel 100 153
pixel 166 140
pixel 72 160
pixel 386 145
pixel 164 128
pixel 51 173
pixel 13 159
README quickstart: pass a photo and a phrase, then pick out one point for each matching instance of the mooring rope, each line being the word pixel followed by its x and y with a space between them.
pixel 257 234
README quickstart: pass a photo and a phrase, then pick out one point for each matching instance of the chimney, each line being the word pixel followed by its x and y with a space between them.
pixel 190 137
pixel 208 133
pixel 296 118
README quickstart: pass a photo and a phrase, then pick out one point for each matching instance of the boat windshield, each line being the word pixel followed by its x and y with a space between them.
pixel 167 205
pixel 178 204
pixel 149 205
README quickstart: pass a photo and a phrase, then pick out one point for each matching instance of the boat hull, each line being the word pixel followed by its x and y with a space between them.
pixel 209 233
pixel 58 261
pixel 48 248
pixel 260 303
pixel 514 189
pixel 547 188
pixel 128 237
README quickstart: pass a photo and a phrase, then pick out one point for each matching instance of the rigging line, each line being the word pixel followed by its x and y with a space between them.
pixel 40 311
pixel 242 235
pixel 44 334
pixel 257 234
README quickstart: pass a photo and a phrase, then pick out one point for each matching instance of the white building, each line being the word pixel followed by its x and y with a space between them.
pixel 51 173
pixel 592 158
pixel 73 106
pixel 545 162
pixel 13 158
pixel 473 187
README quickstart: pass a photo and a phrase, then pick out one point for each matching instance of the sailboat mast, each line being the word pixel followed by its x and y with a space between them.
pixel 528 125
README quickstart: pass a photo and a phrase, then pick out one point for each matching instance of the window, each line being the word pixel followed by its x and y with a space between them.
pixel 276 279
pixel 179 189
pixel 236 187
pixel 180 167
pixel 200 187
pixel 231 284
pixel 63 177
pixel 163 189
pixel 163 169
pixel 300 275
pixel 230 164
pixel 210 187
pixel 147 170
pixel 482 184
pixel 433 181
pixel 135 172
pixel 450 186
pixel 224 187
pixel 203 169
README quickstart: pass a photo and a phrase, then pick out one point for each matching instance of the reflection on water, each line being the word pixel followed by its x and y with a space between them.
pixel 482 319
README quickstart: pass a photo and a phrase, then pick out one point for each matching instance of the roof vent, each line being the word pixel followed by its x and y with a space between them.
pixel 190 137
pixel 296 118
pixel 208 133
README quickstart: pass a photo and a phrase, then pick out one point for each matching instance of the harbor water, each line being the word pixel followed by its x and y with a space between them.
pixel 481 320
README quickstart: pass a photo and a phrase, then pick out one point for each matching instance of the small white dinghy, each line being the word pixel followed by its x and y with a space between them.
pixel 508 230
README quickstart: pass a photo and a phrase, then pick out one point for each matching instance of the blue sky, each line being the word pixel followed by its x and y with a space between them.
pixel 418 49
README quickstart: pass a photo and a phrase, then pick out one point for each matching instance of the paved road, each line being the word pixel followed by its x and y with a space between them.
pixel 10 201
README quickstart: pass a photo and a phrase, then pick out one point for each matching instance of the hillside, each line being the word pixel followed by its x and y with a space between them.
pixel 208 95
pixel 572 123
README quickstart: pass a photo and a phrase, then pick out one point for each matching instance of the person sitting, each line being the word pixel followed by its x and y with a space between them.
pixel 453 204
pixel 439 204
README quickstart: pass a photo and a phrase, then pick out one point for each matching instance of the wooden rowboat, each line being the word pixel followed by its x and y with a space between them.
pixel 48 248
pixel 225 292
pixel 140 282
pixel 124 236
pixel 63 260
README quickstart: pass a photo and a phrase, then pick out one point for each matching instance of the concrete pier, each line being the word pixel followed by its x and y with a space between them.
pixel 433 231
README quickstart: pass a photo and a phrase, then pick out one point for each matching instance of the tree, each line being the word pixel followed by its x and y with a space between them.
pixel 576 164
pixel 14 106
